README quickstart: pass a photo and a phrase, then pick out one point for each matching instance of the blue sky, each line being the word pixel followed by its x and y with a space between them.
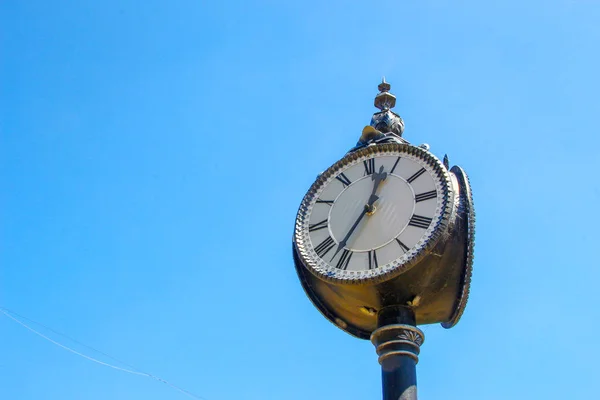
pixel 153 156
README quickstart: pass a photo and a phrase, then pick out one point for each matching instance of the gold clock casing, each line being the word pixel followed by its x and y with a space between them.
pixel 433 281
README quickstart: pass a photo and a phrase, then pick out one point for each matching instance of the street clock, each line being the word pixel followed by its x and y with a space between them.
pixel 388 225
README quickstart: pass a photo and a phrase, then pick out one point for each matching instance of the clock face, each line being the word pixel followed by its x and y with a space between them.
pixel 373 213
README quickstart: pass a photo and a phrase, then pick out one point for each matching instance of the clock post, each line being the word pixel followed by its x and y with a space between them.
pixel 398 341
pixel 384 241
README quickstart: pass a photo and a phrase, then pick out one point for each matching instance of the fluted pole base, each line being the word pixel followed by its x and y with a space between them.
pixel 397 342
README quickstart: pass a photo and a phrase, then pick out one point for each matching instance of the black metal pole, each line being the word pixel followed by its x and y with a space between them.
pixel 397 341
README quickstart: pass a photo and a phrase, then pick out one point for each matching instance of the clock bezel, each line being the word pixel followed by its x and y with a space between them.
pixel 414 255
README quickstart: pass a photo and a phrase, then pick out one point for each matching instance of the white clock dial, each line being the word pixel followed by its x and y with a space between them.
pixel 372 212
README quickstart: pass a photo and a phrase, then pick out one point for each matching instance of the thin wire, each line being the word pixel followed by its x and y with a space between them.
pixel 69 338
pixel 133 370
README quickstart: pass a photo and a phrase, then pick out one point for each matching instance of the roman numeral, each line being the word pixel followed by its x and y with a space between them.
pixel 426 196
pixel 369 166
pixel 416 175
pixel 344 260
pixel 395 164
pixel 404 247
pixel 373 259
pixel 324 247
pixel 317 226
pixel 344 179
pixel 328 202
pixel 420 222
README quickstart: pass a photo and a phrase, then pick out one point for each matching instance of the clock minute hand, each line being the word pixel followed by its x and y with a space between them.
pixel 377 178
pixel 342 244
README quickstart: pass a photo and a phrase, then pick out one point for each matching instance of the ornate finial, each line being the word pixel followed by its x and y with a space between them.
pixel 384 100
pixel 446 162
pixel 386 120
pixel 384 86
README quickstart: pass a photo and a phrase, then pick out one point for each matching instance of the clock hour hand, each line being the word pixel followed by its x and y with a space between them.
pixel 377 178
